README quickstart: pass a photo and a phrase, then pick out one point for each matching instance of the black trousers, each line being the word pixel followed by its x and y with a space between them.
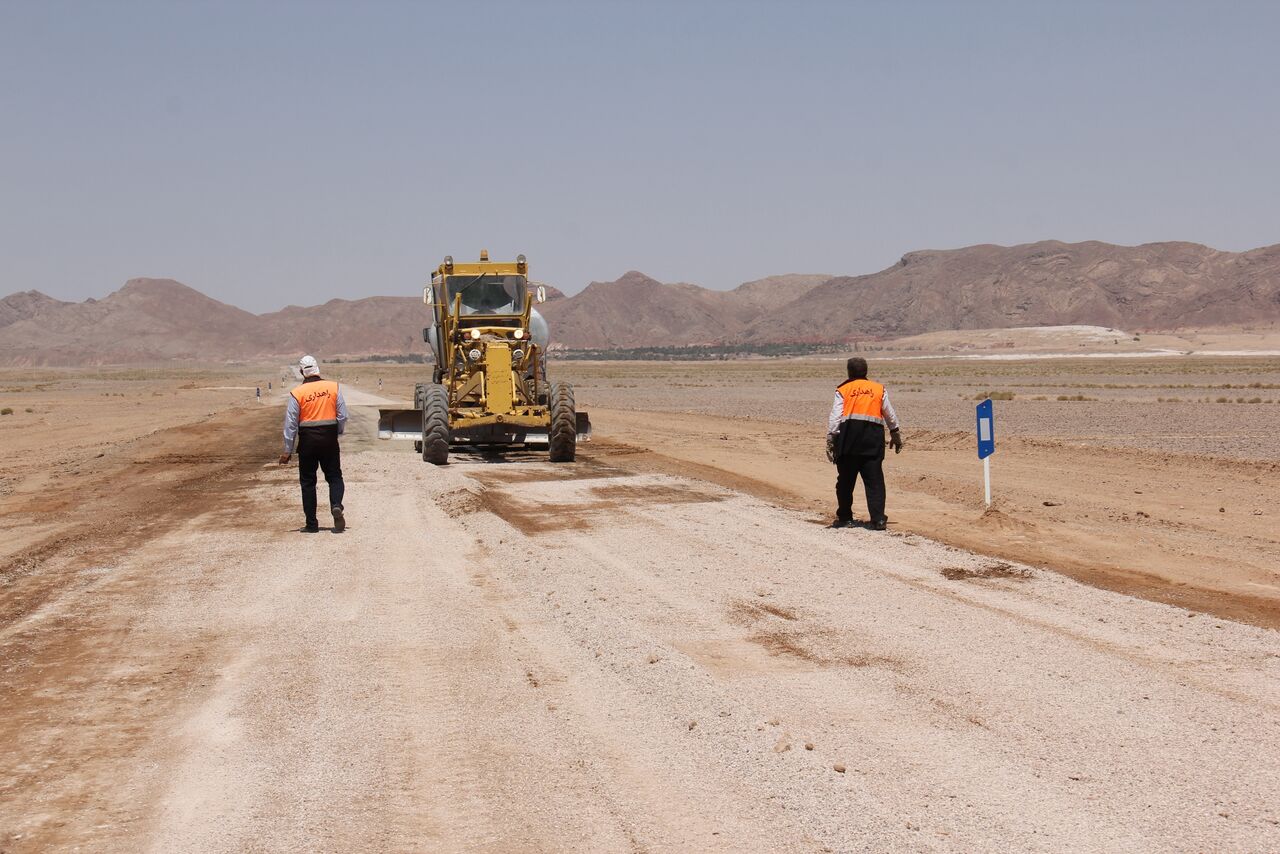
pixel 871 468
pixel 318 447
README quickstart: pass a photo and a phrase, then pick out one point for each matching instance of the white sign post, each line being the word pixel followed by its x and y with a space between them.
pixel 986 444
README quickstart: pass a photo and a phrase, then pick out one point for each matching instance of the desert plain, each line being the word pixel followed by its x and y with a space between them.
pixel 659 647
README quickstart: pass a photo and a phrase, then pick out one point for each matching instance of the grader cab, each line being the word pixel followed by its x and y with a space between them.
pixel 489 387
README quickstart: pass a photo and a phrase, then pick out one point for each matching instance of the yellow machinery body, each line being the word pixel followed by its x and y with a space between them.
pixel 502 386
pixel 490 353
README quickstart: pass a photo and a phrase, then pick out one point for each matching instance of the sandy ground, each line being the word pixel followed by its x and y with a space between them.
pixel 1057 341
pixel 1144 523
pixel 632 653
pixel 1131 477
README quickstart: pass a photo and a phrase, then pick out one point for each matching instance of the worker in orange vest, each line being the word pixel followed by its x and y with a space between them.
pixel 855 443
pixel 315 416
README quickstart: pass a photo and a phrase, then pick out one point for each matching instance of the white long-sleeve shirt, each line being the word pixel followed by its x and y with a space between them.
pixel 292 412
pixel 837 413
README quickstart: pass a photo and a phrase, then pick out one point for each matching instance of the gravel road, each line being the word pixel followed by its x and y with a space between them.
pixel 515 656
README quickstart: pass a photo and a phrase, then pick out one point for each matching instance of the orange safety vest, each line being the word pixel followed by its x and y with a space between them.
pixel 317 403
pixel 862 401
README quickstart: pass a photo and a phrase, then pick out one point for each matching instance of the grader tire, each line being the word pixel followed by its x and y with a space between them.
pixel 435 425
pixel 564 424
pixel 419 393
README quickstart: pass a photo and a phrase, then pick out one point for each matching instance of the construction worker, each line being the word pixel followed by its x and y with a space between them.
pixel 855 443
pixel 314 418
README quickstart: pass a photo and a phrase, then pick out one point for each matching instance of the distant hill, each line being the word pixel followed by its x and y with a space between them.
pixel 634 310
pixel 1156 286
pixel 146 319
pixel 160 319
pixel 347 327
pixel 637 311
pixel 25 305
pixel 1153 286
pixel 773 292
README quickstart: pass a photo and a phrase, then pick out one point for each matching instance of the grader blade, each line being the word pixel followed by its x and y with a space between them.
pixel 399 423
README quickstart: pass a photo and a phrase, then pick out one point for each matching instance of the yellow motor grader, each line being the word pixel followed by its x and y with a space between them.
pixel 490 382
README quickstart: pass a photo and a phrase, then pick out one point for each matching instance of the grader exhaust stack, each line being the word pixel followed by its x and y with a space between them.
pixel 490 382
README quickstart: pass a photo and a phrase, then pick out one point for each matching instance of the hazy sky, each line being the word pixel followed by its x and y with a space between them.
pixel 269 153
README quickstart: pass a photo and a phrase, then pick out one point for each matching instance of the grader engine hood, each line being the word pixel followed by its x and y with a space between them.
pixel 499 374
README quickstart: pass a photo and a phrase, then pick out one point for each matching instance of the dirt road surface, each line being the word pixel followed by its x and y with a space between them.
pixel 1190 531
pixel 506 655
pixel 1156 479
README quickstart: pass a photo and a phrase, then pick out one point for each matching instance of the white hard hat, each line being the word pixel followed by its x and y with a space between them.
pixel 309 366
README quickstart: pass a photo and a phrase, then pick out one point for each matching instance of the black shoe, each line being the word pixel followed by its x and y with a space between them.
pixel 339 521
pixel 309 529
pixel 880 524
pixel 842 523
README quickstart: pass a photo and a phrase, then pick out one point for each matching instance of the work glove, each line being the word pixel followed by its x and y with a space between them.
pixel 895 441
pixel 831 447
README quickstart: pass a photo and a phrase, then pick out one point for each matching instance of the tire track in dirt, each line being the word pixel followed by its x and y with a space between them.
pixel 948 704
pixel 156 485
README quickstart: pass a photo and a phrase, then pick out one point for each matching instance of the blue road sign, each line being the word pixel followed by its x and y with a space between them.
pixel 986 430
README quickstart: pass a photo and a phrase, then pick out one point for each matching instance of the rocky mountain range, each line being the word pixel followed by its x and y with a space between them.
pixel 151 320
pixel 637 311
pixel 1156 286
pixel 1148 287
